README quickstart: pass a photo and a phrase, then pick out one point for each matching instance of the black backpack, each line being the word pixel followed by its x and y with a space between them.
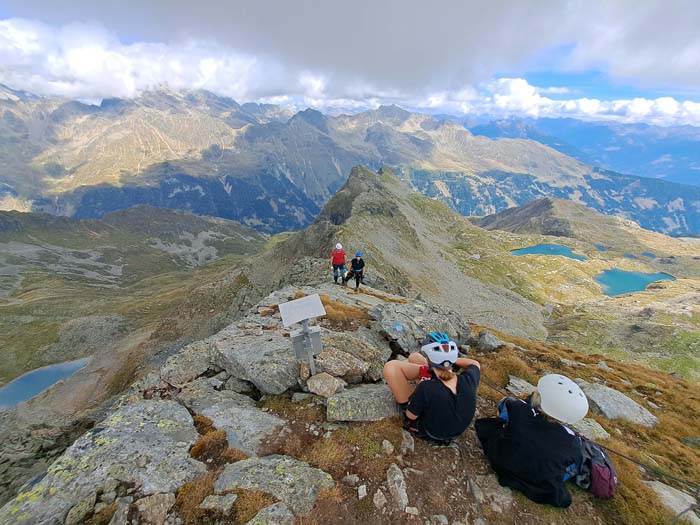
pixel 597 473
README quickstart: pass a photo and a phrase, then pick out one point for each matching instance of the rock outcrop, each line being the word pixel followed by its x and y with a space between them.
pixel 293 482
pixel 612 404
pixel 144 445
pixel 362 403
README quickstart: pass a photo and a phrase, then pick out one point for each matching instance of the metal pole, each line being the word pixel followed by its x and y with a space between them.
pixel 308 347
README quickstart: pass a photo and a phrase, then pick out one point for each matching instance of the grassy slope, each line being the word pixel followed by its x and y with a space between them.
pixel 152 285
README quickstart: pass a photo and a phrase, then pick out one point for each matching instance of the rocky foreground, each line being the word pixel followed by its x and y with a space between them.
pixel 233 429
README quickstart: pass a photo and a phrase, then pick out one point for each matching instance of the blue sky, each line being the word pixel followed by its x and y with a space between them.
pixel 623 60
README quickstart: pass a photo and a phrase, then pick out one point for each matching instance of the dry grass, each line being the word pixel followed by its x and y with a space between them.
pixel 191 495
pixel 249 503
pixel 231 455
pixel 210 446
pixel 660 446
pixel 284 407
pixel 385 298
pixel 203 424
pixel 339 316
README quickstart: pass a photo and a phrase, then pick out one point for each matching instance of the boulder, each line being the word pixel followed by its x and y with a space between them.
pixel 266 360
pixel 219 504
pixel 486 342
pixel 246 427
pixel 187 364
pixel 352 357
pixel 692 442
pixel 324 384
pixel 145 444
pixel 407 324
pixel 408 444
pixel 396 482
pixel 239 386
pixel 293 482
pixel 674 500
pixel 612 404
pixel 79 513
pixel 154 509
pixel 591 429
pixel 277 514
pixel 519 387
pixel 379 499
pixel 488 491
pixel 341 364
pixel 200 395
pixel 362 403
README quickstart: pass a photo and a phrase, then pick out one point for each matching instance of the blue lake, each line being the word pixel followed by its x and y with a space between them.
pixel 617 282
pixel 630 256
pixel 649 254
pixel 549 249
pixel 34 382
pixel 601 248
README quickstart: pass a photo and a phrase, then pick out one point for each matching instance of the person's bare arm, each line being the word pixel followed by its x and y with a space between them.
pixel 465 362
pixel 410 415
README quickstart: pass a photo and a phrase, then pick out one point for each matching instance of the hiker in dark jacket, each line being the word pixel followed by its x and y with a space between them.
pixel 356 270
pixel 528 449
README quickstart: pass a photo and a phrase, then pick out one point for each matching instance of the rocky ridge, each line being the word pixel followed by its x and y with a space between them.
pixel 141 462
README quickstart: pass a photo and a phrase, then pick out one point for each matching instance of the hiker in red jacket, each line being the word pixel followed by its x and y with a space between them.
pixel 338 262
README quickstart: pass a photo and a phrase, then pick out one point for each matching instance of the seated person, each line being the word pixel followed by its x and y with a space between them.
pixel 443 403
pixel 528 449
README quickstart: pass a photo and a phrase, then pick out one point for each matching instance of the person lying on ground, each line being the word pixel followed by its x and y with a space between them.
pixel 443 403
pixel 529 447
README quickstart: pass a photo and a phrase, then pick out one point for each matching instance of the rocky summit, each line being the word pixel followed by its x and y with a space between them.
pixel 184 445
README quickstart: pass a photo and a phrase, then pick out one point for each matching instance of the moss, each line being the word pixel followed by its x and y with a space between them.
pixel 210 446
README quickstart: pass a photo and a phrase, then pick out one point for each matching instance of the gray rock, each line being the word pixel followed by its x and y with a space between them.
pixel 200 395
pixel 387 447
pixel 324 384
pixel 571 363
pixel 154 509
pixel 674 500
pixel 693 441
pixel 407 324
pixel 159 432
pixel 277 514
pixel 239 386
pixel 362 403
pixel 245 427
pixel 408 444
pixel 604 366
pixel 188 364
pixel 439 519
pixel 121 515
pixel 413 511
pixel 299 397
pixel 351 479
pixel 397 485
pixel 615 405
pixel 519 387
pixel 379 499
pixel 487 490
pixel 293 482
pixel 591 429
pixel 339 363
pixel 487 342
pixel 220 504
pixel 362 492
pixel 81 511
pixel 266 360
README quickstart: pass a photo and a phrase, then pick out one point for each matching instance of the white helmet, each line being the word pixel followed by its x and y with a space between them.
pixel 439 349
pixel 562 399
pixel 338 246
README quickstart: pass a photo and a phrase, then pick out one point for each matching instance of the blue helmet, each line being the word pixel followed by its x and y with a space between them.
pixel 358 254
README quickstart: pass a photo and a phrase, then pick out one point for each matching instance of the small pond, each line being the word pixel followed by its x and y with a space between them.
pixel 617 282
pixel 34 382
pixel 549 249
pixel 649 254
pixel 601 248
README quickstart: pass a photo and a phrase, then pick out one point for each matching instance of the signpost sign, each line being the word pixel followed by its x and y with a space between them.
pixel 306 342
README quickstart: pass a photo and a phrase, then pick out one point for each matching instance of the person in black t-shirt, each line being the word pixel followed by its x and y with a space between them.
pixel 531 451
pixel 443 403
pixel 356 270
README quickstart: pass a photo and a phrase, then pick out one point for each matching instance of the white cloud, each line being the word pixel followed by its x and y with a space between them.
pixel 90 63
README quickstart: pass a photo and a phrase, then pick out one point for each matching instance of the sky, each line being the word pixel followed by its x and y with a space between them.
pixel 597 60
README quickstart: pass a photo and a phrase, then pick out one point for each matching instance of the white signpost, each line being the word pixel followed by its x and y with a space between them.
pixel 306 342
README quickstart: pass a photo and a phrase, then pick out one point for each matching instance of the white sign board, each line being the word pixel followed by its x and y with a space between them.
pixel 305 308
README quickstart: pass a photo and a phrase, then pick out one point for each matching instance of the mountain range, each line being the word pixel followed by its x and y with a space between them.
pixel 274 171
pixel 668 152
